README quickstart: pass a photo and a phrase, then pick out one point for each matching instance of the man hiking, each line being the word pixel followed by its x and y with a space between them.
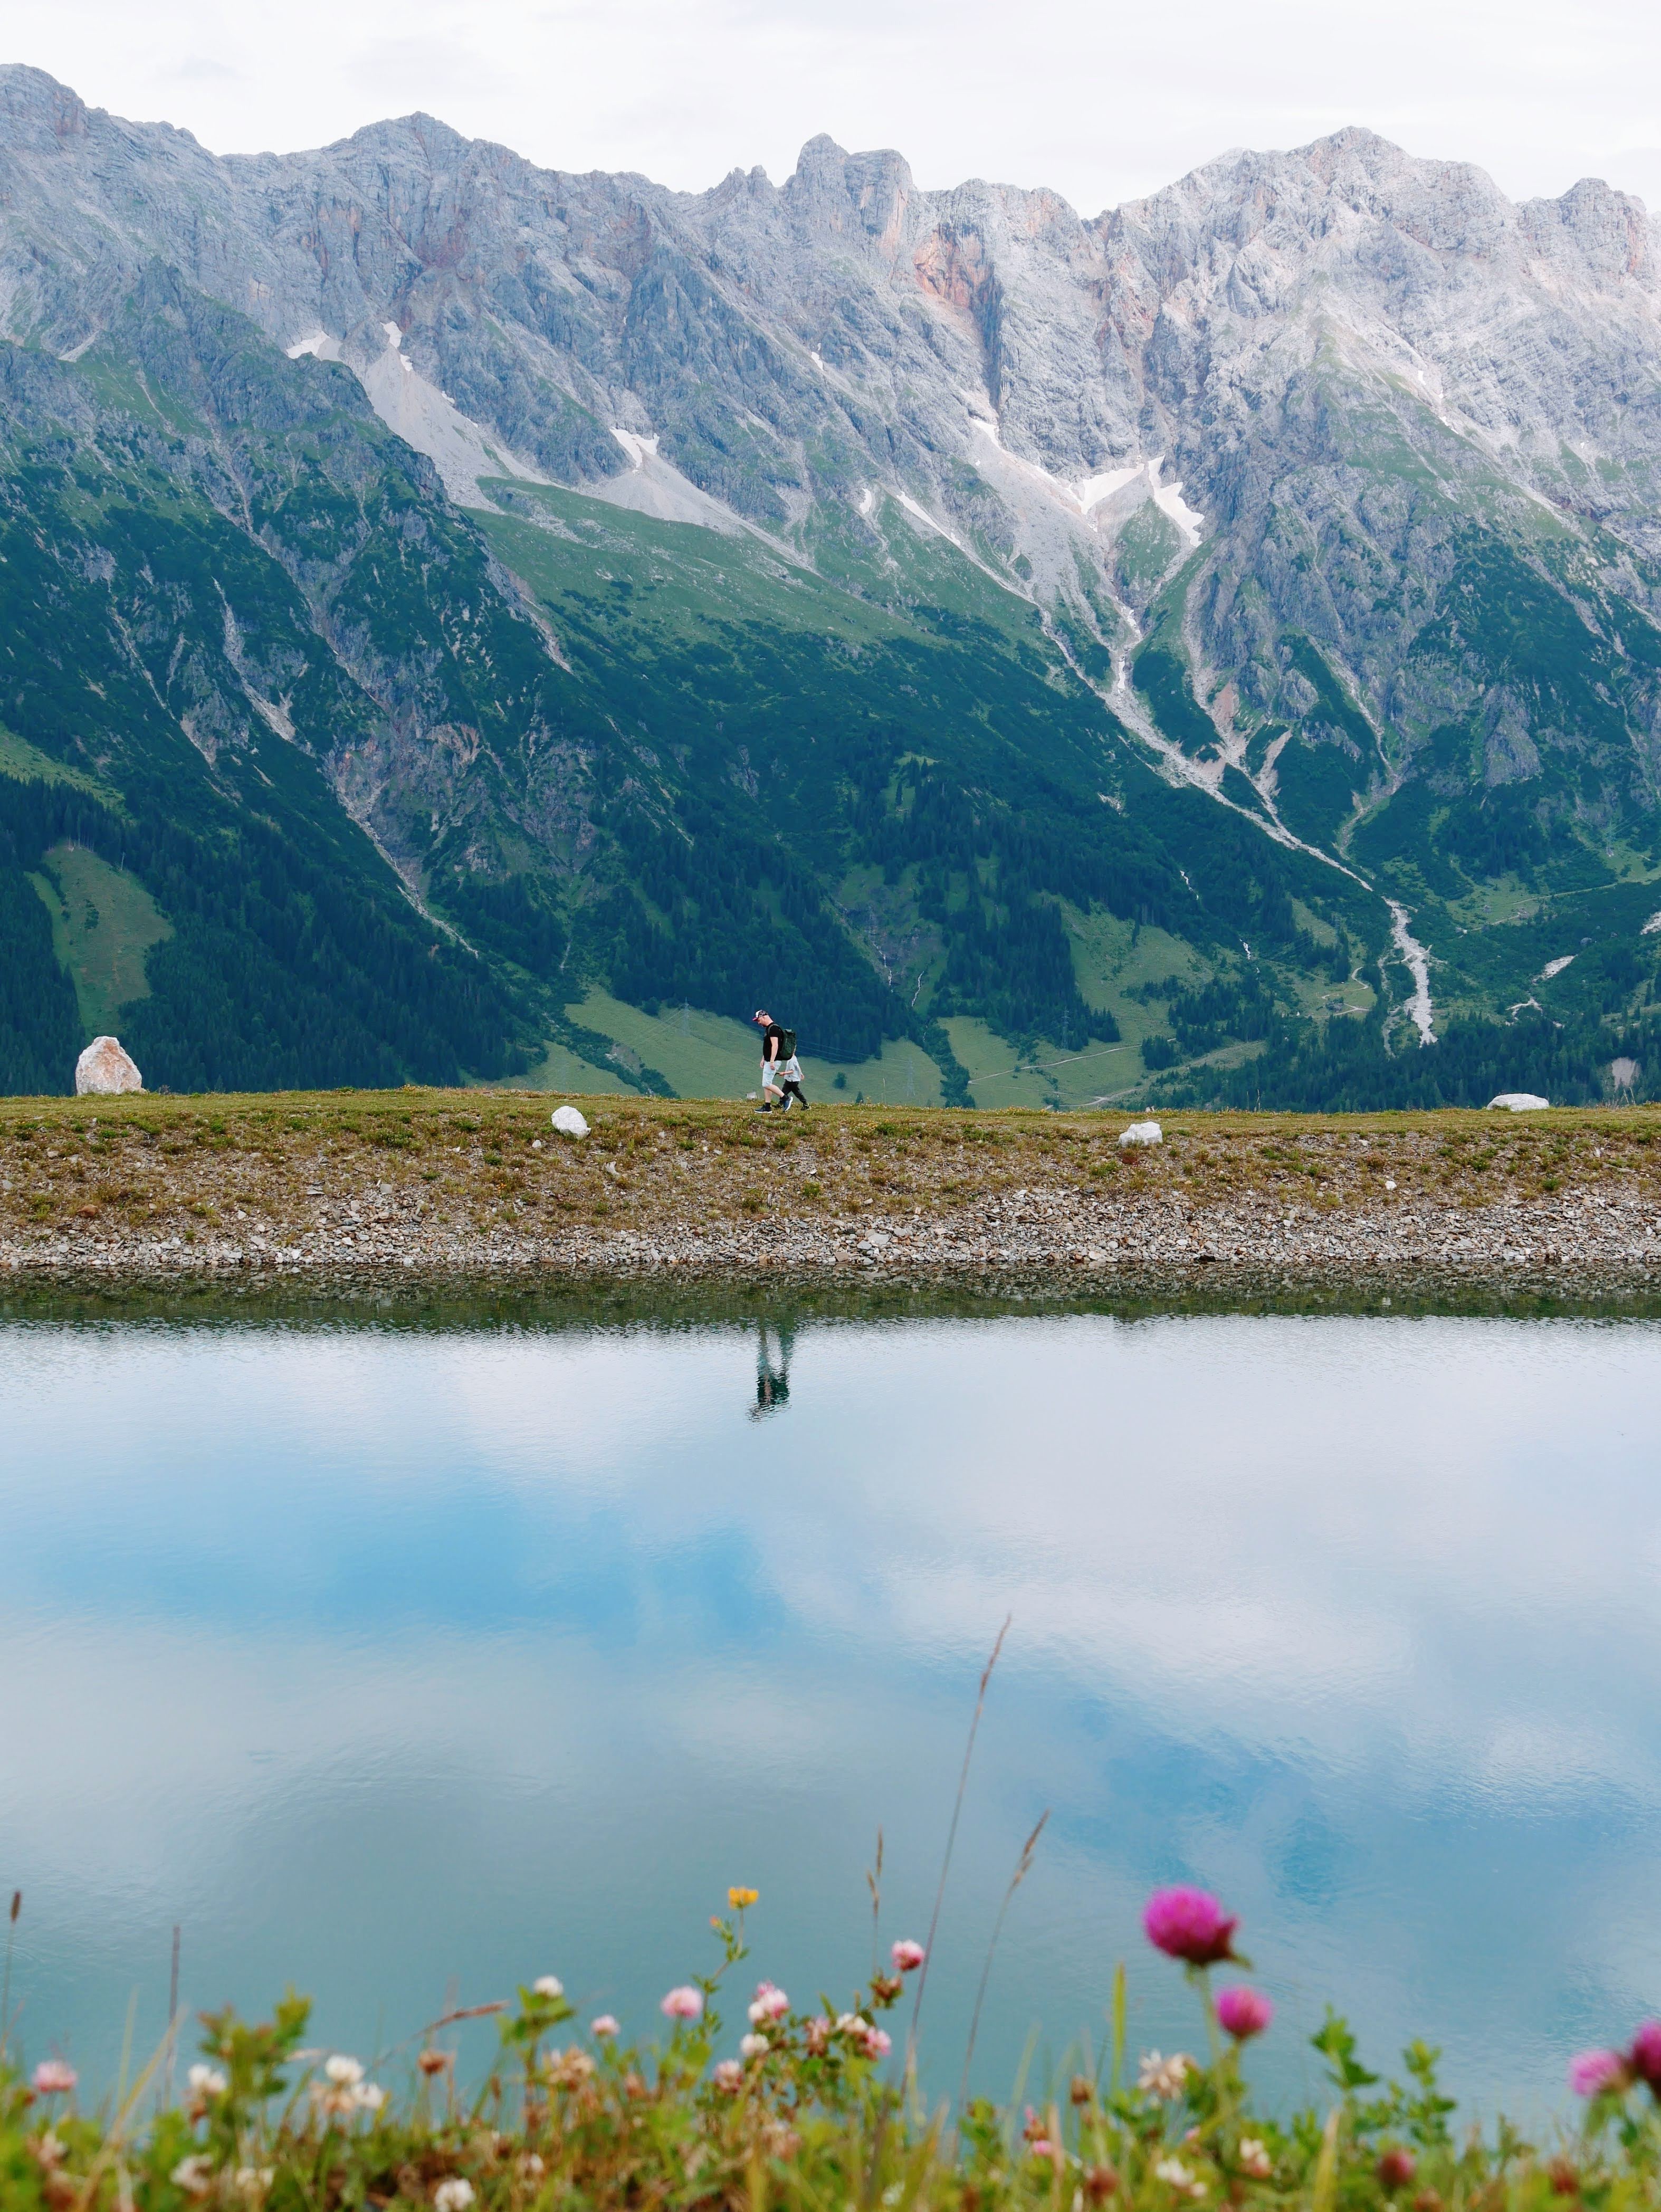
pixel 781 1071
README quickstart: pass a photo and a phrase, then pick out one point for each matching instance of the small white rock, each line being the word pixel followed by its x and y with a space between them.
pixel 103 1069
pixel 570 1122
pixel 1142 1132
pixel 1520 1101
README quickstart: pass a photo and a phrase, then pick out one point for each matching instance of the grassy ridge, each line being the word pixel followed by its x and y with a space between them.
pixel 269 1163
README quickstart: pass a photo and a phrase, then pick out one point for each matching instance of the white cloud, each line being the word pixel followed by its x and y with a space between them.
pixel 1101 101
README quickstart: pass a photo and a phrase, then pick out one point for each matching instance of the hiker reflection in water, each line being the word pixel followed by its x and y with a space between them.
pixel 773 1349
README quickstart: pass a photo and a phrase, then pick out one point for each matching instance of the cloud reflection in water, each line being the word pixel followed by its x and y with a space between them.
pixel 375 1658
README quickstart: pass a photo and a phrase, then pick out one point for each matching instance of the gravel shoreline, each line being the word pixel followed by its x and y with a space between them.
pixel 450 1184
pixel 1036 1231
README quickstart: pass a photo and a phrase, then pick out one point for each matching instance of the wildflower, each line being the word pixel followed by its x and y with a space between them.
pixel 907 1955
pixel 47 2151
pixel 818 2036
pixel 345 2073
pixel 684 2003
pixel 1176 2175
pixel 728 2074
pixel 253 2182
pixel 194 2174
pixel 369 2096
pixel 206 2082
pixel 878 2042
pixel 548 1985
pixel 530 2167
pixel 1164 2077
pixel 1598 2073
pixel 738 1897
pixel 771 2003
pixel 1099 2183
pixel 432 2062
pixel 1040 2147
pixel 1645 2056
pixel 454 2195
pixel 54 2077
pixel 1081 2089
pixel 1255 2159
pixel 778 2138
pixel 850 2023
pixel 1243 2013
pixel 569 2069
pixel 1396 2167
pixel 754 2046
pixel 1190 1923
pixel 603 2026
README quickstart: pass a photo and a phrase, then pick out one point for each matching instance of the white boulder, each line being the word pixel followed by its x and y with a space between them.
pixel 1142 1132
pixel 104 1069
pixel 1520 1101
pixel 570 1122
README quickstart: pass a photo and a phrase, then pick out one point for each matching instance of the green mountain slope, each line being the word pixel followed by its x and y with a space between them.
pixel 385 791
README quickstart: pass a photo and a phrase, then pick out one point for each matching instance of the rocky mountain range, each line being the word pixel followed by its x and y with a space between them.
pixel 1210 646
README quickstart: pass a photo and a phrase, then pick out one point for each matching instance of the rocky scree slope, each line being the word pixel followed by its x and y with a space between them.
pixel 1292 531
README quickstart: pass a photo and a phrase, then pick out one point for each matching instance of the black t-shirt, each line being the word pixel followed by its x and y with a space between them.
pixel 772 1038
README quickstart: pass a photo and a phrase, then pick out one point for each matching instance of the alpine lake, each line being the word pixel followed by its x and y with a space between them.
pixel 404 1646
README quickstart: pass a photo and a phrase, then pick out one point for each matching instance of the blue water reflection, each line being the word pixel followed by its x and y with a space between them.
pixel 406 1666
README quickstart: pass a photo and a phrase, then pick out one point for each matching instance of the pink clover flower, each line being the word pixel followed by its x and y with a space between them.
pixel 1190 1924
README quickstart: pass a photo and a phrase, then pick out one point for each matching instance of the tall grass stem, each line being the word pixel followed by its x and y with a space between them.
pixel 5 1984
pixel 951 1840
pixel 1023 1867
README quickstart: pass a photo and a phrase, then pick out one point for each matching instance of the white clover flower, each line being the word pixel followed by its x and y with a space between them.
pixel 194 2174
pixel 754 2046
pixel 1164 2077
pixel 345 2072
pixel 548 1985
pixel 454 2195
pixel 369 2096
pixel 569 2069
pixel 207 2081
pixel 253 2181
pixel 1176 2175
pixel 1255 2159
pixel 728 2074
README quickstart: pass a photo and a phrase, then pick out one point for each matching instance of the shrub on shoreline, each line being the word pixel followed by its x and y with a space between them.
pixel 814 2112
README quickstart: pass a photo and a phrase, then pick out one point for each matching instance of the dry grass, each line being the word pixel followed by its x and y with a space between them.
pixel 277 1164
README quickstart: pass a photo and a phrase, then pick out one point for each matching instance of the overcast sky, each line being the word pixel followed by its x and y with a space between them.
pixel 1101 99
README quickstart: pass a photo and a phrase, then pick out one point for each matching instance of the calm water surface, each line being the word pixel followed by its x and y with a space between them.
pixel 404 1664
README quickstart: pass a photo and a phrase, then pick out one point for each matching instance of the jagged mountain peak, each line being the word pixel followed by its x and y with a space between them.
pixel 1262 466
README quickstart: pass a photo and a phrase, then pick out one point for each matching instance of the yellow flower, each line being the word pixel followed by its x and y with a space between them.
pixel 738 1899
